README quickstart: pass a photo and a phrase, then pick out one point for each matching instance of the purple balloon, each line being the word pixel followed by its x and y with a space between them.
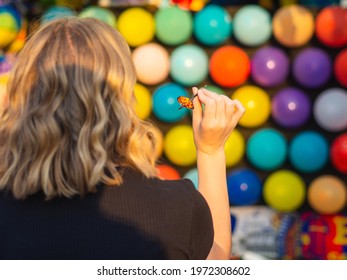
pixel 270 66
pixel 312 67
pixel 291 107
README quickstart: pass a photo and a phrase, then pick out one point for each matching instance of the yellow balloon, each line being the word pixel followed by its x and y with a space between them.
pixel 3 84
pixel 234 148
pixel 19 42
pixel 143 101
pixel 8 29
pixel 284 190
pixel 159 147
pixel 137 26
pixel 257 104
pixel 179 145
pixel 4 78
pixel 7 37
pixel 197 5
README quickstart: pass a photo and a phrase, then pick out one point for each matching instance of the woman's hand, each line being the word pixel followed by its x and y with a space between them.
pixel 213 125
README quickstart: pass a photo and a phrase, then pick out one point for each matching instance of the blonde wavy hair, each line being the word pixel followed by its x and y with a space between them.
pixel 70 120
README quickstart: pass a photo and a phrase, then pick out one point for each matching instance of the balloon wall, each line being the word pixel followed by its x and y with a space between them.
pixel 286 63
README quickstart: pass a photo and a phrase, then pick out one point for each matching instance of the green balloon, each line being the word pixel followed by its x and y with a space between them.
pixel 174 26
pixel 103 14
pixel 215 89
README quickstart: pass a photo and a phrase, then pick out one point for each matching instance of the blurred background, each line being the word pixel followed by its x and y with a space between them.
pixel 286 61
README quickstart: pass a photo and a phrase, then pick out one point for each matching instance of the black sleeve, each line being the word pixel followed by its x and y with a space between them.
pixel 201 232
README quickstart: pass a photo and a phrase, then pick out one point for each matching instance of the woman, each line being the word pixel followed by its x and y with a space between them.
pixel 77 170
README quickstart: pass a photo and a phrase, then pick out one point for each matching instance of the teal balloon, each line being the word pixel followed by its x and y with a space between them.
pixel 188 65
pixel 252 25
pixel 267 149
pixel 165 104
pixel 174 26
pixel 308 151
pixel 192 175
pixel 102 14
pixel 212 25
pixel 56 12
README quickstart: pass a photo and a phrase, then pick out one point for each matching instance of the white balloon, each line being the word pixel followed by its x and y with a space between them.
pixel 152 63
pixel 330 109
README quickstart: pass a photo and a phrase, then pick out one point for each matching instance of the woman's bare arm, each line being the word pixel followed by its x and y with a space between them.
pixel 212 127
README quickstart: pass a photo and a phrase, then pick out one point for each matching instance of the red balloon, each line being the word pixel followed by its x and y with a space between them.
pixel 340 67
pixel 229 66
pixel 338 153
pixel 331 25
pixel 167 172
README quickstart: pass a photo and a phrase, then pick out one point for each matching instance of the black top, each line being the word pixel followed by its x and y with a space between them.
pixel 141 219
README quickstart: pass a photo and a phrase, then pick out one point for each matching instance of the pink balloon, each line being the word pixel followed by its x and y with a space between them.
pixel 152 63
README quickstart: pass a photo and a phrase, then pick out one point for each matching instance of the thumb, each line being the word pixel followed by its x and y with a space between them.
pixel 197 112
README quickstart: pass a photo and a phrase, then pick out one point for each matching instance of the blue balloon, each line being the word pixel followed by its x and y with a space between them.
pixel 165 104
pixel 308 151
pixel 252 25
pixel 244 187
pixel 267 149
pixel 192 174
pixel 212 26
pixel 189 65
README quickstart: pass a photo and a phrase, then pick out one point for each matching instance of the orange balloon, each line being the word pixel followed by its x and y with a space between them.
pixel 229 66
pixel 167 172
pixel 327 194
pixel 331 25
pixel 293 25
